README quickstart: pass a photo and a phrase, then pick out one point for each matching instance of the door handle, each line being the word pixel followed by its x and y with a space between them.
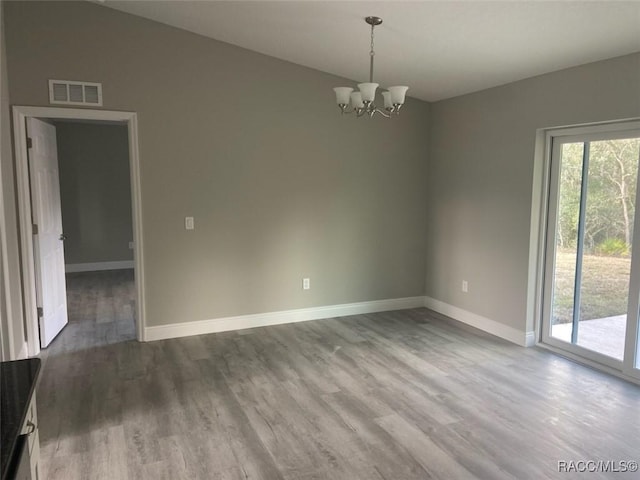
pixel 63 237
pixel 31 427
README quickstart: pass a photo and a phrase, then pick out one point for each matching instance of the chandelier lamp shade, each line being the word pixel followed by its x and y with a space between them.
pixel 362 101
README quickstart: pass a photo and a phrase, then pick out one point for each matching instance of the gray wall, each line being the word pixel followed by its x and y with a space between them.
pixel 481 178
pixel 11 311
pixel 95 192
pixel 281 187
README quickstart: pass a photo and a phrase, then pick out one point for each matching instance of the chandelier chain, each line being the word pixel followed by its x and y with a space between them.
pixel 372 54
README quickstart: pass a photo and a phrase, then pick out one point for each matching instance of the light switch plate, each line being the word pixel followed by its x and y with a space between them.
pixel 189 223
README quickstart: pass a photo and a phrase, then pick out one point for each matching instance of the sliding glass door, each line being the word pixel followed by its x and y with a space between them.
pixel 592 276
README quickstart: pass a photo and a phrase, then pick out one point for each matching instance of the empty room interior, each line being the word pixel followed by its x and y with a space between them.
pixel 319 240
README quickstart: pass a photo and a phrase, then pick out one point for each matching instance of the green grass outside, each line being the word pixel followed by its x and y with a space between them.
pixel 605 286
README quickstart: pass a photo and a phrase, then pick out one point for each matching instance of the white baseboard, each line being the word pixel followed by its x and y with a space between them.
pixel 224 324
pixel 95 267
pixel 530 339
pixel 524 339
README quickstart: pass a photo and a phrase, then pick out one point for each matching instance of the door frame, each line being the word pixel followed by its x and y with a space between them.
pixel 625 368
pixel 8 349
pixel 20 114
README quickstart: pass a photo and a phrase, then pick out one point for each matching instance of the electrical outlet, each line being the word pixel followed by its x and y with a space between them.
pixel 306 283
pixel 465 286
pixel 189 223
pixel 130 245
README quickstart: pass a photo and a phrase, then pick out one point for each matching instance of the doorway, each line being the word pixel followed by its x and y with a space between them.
pixel 23 115
pixel 592 269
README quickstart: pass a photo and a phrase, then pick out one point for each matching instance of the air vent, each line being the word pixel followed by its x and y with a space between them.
pixel 69 92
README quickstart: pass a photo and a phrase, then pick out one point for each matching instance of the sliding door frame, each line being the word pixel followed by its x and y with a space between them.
pixel 554 139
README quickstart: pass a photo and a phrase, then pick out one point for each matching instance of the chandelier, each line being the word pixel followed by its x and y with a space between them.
pixel 362 102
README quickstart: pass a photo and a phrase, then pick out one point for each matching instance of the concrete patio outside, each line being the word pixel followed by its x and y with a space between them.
pixel 602 335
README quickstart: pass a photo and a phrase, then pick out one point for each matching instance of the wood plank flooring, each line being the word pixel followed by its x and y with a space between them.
pixel 101 308
pixel 388 396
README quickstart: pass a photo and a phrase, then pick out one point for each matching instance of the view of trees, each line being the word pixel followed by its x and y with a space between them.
pixel 611 195
pixel 610 210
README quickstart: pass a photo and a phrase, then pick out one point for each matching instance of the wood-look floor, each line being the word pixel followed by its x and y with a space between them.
pixel 397 395
pixel 101 309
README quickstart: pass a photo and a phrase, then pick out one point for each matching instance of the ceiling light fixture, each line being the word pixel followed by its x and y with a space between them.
pixel 362 102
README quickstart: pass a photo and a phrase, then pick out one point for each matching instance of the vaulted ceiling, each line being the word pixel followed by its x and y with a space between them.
pixel 440 49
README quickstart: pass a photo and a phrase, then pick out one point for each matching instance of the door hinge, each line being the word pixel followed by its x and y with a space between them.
pixel 34 229
pixel 40 312
pixel 29 142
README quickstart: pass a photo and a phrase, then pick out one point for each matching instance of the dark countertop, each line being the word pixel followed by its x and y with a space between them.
pixel 18 380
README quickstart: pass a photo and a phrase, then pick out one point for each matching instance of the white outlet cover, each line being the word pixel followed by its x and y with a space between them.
pixel 189 223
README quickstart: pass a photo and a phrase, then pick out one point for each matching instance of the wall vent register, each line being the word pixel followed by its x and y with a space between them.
pixel 69 92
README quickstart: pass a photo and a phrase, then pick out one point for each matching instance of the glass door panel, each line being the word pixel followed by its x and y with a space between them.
pixel 594 223
pixel 566 241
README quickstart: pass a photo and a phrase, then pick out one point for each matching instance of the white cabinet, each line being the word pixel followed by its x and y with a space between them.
pixel 30 428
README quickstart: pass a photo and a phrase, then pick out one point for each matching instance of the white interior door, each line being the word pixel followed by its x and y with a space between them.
pixel 48 244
